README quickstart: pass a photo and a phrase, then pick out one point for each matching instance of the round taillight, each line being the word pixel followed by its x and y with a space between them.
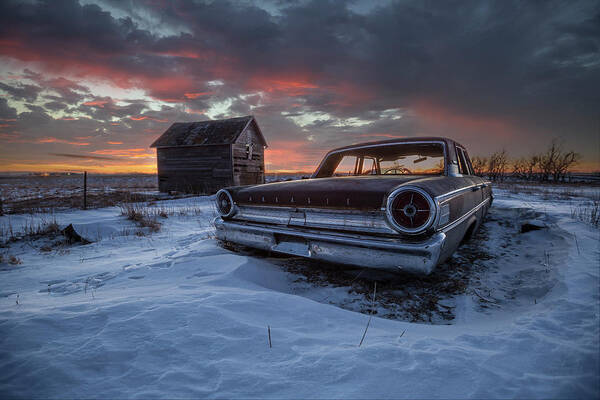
pixel 225 204
pixel 410 210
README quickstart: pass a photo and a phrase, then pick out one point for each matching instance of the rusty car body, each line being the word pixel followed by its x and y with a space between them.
pixel 400 205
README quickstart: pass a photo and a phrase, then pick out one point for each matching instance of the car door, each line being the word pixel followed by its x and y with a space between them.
pixel 474 196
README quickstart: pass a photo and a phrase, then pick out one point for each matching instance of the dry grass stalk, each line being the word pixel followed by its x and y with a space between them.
pixel 370 316
pixel 269 332
pixel 588 212
pixel 142 215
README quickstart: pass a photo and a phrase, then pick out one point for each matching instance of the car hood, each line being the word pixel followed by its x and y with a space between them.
pixel 357 192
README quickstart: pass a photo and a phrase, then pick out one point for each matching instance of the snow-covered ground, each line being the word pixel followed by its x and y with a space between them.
pixel 172 314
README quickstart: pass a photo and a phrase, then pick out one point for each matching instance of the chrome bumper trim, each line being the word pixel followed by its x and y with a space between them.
pixel 359 250
pixel 373 221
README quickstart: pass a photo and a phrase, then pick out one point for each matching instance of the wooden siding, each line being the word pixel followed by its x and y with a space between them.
pixel 248 158
pixel 195 169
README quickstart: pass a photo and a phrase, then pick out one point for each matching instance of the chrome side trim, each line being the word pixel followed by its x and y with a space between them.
pixel 450 195
pixel 460 220
pixel 386 144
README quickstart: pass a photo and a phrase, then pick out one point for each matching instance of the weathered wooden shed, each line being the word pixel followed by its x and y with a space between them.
pixel 203 157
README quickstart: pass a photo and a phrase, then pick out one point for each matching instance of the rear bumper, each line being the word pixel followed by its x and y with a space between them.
pixel 359 250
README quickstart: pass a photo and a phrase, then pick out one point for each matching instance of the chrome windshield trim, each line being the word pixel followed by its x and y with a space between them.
pixel 314 175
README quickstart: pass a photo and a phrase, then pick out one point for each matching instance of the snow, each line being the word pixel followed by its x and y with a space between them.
pixel 172 314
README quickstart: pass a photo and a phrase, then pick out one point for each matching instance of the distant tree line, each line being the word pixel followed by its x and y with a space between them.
pixel 554 164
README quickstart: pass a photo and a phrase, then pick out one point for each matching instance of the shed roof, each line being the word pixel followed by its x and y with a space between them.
pixel 222 131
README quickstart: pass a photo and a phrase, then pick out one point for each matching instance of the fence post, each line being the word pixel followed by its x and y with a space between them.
pixel 84 190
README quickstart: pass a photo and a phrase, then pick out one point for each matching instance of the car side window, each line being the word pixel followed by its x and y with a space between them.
pixel 347 166
pixel 462 162
pixel 469 165
pixel 369 166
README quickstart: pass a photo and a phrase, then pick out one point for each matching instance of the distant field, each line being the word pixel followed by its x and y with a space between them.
pixel 27 187
pixel 27 194
pixel 24 194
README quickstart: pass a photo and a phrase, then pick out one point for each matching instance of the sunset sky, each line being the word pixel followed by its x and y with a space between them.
pixel 89 85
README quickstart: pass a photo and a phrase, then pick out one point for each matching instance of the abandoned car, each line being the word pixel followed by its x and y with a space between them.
pixel 400 205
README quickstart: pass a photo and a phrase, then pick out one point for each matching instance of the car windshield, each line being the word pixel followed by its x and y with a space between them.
pixel 393 159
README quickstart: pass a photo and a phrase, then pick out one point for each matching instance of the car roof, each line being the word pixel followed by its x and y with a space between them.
pixel 399 141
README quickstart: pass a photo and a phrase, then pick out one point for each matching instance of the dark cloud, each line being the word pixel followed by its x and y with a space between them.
pixel 105 109
pixel 7 112
pixel 55 106
pixel 485 72
pixel 82 156
pixel 22 91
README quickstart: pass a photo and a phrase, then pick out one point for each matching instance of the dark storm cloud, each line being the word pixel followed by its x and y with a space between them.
pixel 82 156
pixel 21 91
pixel 485 57
pixel 105 108
pixel 7 112
pixel 484 67
pixel 55 106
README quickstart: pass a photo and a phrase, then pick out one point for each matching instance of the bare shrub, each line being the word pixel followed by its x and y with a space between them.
pixel 142 215
pixel 31 229
pixel 519 169
pixel 190 210
pixel 133 211
pixel 498 165
pixel 479 165
pixel 588 212
pixel 163 213
pixel 151 223
pixel 14 260
pixel 556 162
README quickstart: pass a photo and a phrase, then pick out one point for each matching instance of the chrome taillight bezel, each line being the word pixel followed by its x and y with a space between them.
pixel 222 212
pixel 402 229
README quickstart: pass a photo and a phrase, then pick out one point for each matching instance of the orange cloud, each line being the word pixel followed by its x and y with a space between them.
pixel 286 156
pixel 144 117
pixel 191 111
pixel 56 140
pixel 187 54
pixel 126 153
pixel 89 166
pixel 10 137
pixel 96 103
pixel 114 142
pixel 288 85
pixel 196 95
